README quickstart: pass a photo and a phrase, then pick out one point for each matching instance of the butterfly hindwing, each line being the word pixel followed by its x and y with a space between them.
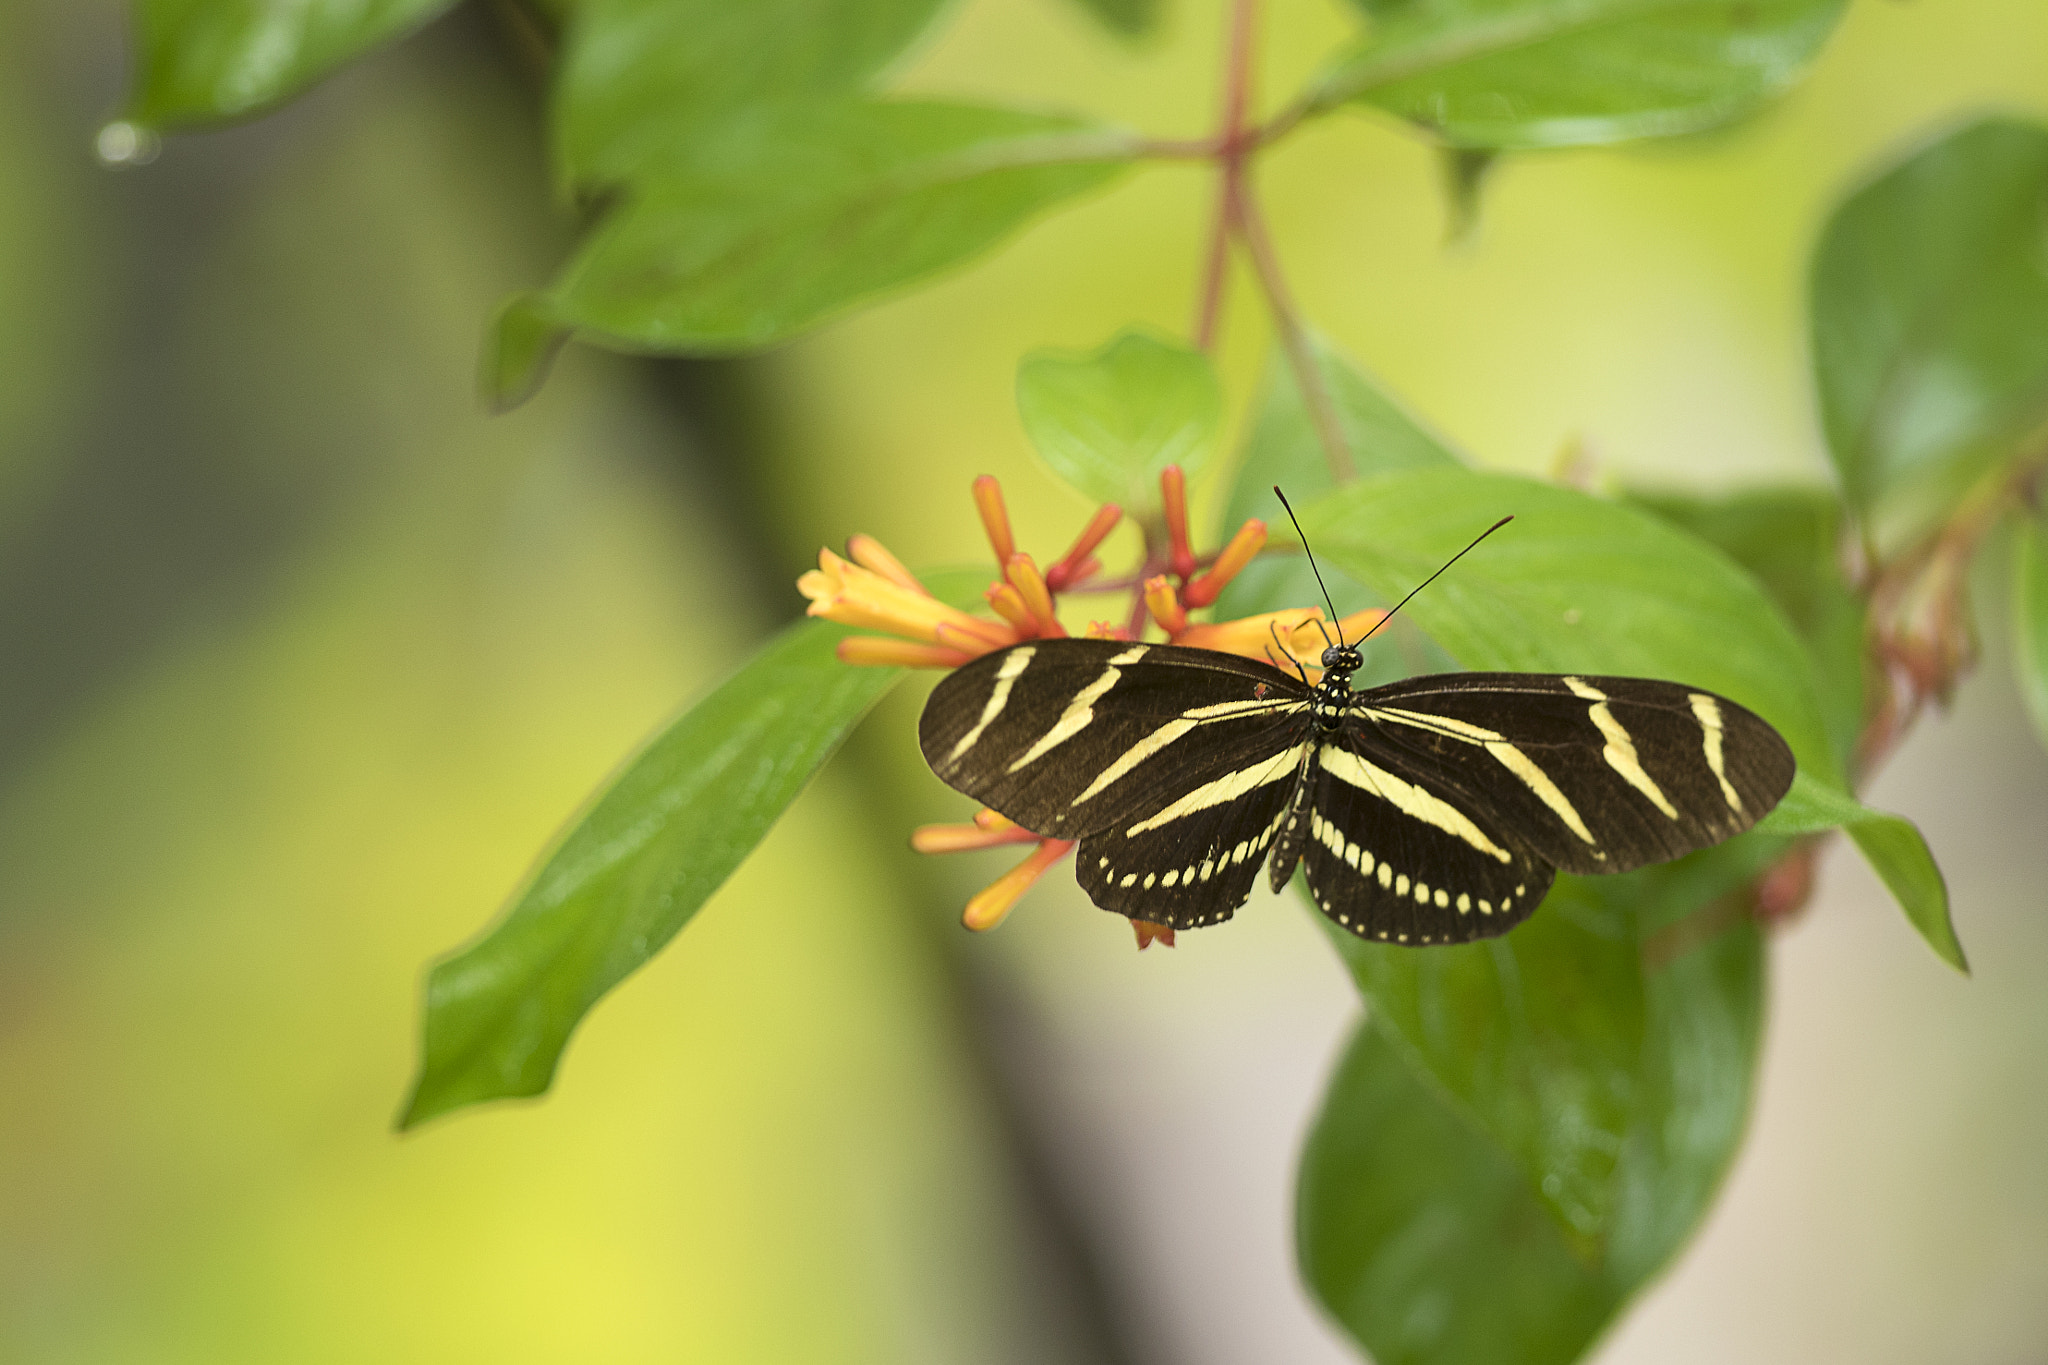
pixel 1394 855
pixel 1194 860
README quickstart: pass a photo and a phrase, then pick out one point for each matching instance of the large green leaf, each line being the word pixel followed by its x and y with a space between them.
pixel 1283 449
pixel 1930 322
pixel 2030 619
pixel 1790 539
pixel 1109 421
pixel 641 79
pixel 1432 1241
pixel 1540 1037
pixel 1558 73
pixel 1891 844
pixel 754 236
pixel 1574 584
pixel 201 61
pixel 637 865
pixel 1424 1240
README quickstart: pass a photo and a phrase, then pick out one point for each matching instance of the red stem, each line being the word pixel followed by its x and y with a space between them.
pixel 1322 412
pixel 1228 150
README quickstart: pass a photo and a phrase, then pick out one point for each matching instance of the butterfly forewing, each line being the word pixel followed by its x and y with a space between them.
pixel 1070 737
pixel 1596 774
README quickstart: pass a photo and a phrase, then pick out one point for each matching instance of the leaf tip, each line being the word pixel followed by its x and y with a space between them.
pixel 519 349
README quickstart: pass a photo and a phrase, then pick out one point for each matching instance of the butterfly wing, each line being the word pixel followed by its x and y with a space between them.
pixel 1471 788
pixel 1071 737
pixel 1395 854
pixel 1171 766
pixel 1597 774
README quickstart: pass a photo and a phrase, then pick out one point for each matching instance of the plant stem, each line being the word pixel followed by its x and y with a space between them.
pixel 1228 150
pixel 1294 339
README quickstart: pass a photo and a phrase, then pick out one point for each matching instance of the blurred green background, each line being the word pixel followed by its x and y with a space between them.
pixel 302 659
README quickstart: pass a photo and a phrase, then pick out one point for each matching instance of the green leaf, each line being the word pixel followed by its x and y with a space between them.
pixel 1109 421
pixel 1891 844
pixel 1126 18
pixel 521 344
pixel 641 79
pixel 1423 1240
pixel 202 61
pixel 1929 300
pixel 1512 74
pixel 1573 585
pixel 637 865
pixel 1790 539
pixel 749 239
pixel 2030 619
pixel 1540 1036
pixel 1283 449
pixel 1536 1034
pixel 1430 1242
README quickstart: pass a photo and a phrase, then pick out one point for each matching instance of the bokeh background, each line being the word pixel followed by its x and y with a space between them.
pixel 302 658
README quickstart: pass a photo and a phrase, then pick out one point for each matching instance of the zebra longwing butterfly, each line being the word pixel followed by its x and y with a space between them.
pixel 1433 810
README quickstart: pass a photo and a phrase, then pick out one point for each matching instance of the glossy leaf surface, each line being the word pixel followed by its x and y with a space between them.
pixel 203 61
pixel 1512 74
pixel 1424 1228
pixel 1790 540
pixel 1929 311
pixel 1573 584
pixel 642 80
pixel 1894 848
pixel 1109 421
pixel 636 867
pixel 747 240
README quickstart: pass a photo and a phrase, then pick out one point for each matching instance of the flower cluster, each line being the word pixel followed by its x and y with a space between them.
pixel 871 589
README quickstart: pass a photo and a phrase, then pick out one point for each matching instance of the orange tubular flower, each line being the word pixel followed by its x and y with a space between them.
pixel 1173 488
pixel 1243 547
pixel 995 518
pixel 871 555
pixel 855 596
pixel 1024 577
pixel 1164 604
pixel 1258 637
pixel 1077 566
pixel 990 907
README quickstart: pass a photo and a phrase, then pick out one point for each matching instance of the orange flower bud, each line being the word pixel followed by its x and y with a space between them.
pixel 1243 547
pixel 995 518
pixel 1024 577
pixel 1164 605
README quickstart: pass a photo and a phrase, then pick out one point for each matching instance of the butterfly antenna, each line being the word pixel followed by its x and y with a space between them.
pixel 1433 577
pixel 1312 561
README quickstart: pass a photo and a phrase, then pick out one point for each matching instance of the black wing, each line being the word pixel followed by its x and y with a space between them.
pixel 1487 781
pixel 1171 765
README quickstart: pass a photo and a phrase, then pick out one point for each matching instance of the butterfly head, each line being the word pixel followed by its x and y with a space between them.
pixel 1343 660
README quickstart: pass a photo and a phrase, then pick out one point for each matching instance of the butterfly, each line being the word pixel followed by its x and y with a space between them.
pixel 1429 811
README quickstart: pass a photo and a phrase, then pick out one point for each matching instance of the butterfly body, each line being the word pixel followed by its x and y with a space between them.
pixel 1433 810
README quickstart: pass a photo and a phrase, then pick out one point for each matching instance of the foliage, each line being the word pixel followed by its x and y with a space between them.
pixel 1525 1130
